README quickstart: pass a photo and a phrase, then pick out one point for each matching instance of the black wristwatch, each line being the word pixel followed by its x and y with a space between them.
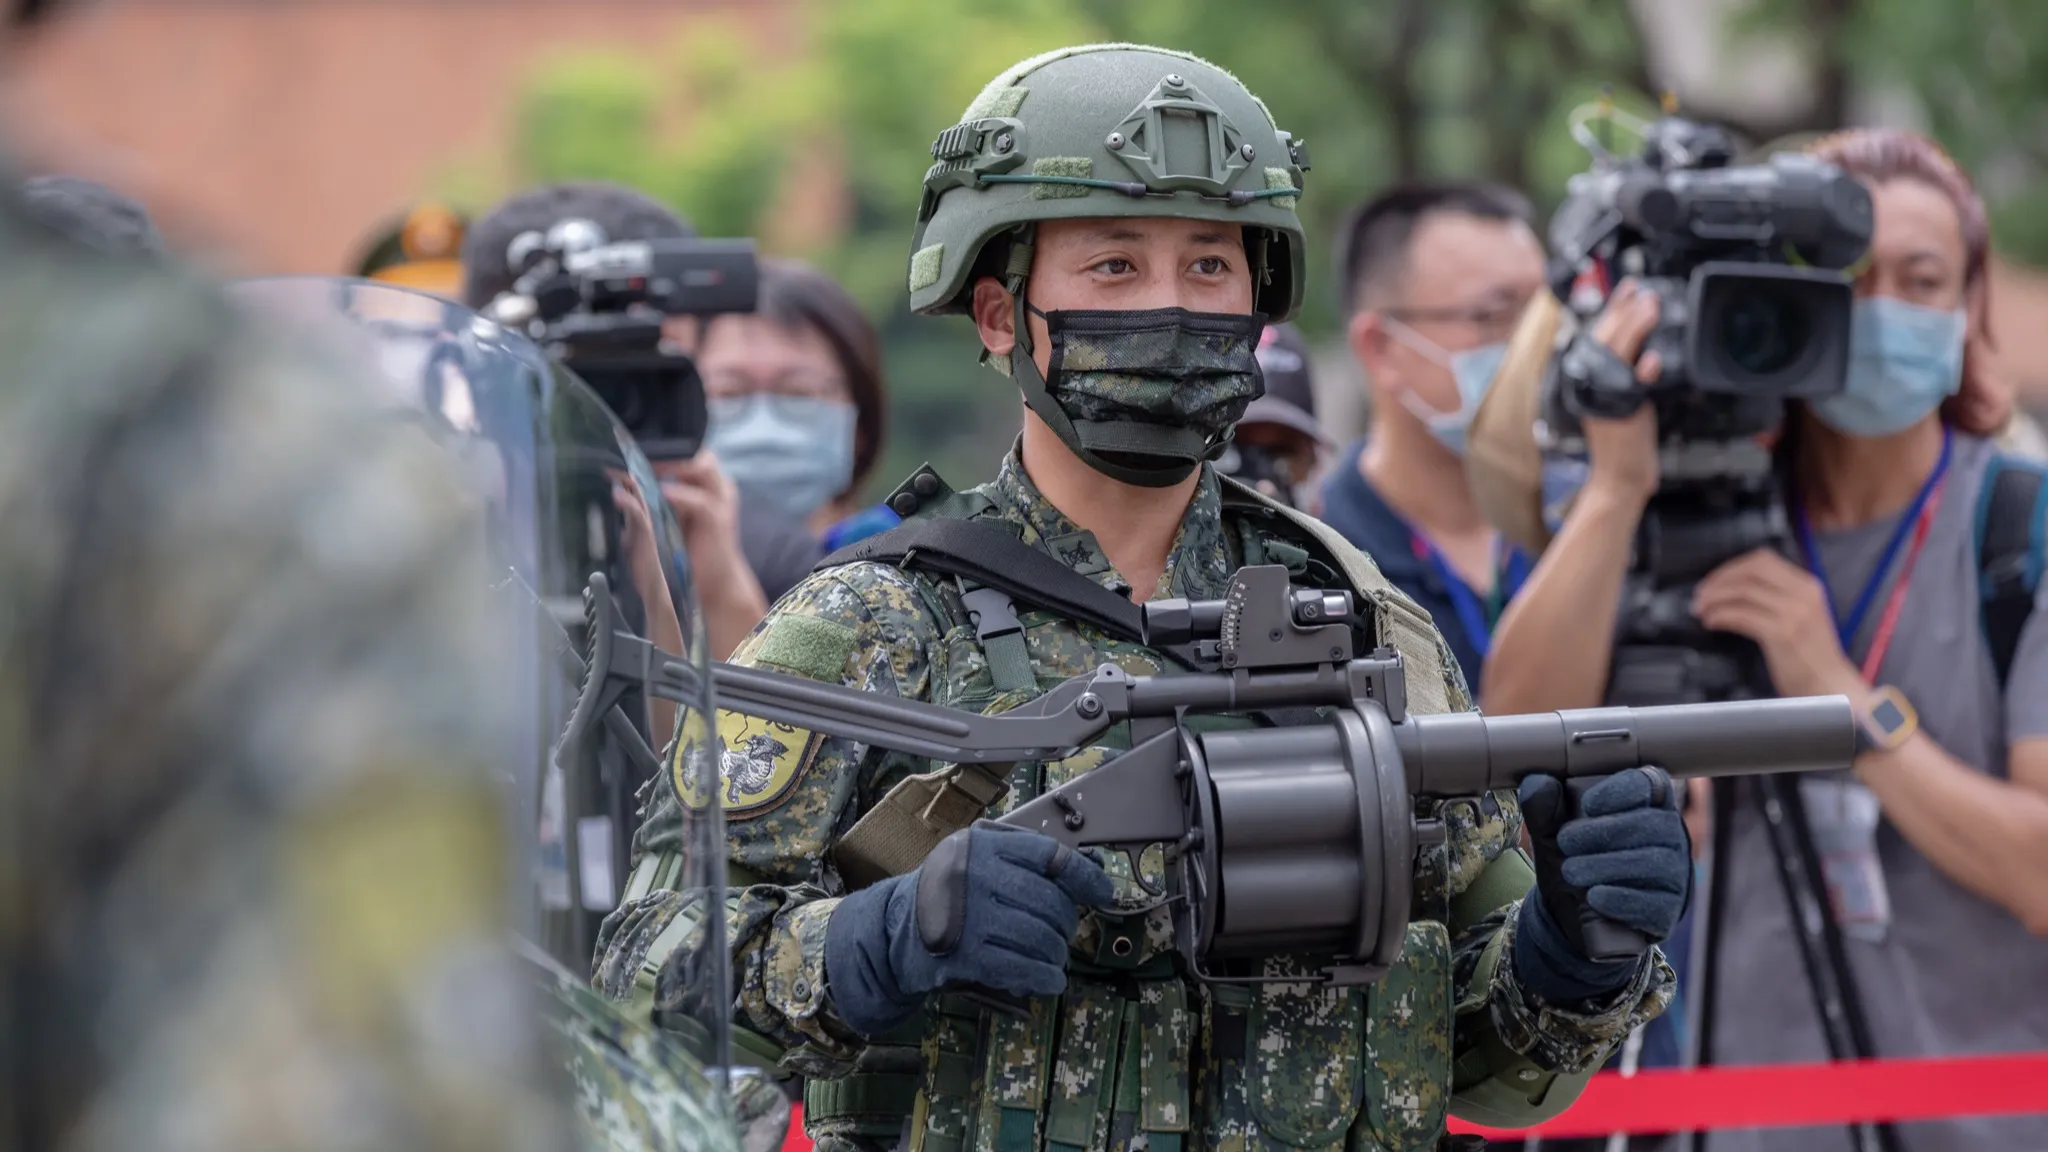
pixel 1884 721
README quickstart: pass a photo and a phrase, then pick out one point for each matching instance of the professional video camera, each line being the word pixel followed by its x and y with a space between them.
pixel 597 306
pixel 1747 262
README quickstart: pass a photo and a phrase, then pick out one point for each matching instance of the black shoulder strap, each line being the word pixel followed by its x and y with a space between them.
pixel 2012 519
pixel 993 556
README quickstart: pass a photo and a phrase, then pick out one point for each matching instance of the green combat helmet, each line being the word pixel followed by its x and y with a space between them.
pixel 1104 130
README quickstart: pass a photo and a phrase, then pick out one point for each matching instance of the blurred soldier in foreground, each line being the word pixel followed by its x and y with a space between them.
pixel 254 888
pixel 92 215
pixel 252 884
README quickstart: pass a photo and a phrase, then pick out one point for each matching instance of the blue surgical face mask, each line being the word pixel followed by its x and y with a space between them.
pixel 1904 360
pixel 1473 369
pixel 794 450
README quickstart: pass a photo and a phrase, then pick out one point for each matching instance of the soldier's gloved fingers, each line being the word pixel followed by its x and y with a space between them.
pixel 1648 869
pixel 1640 828
pixel 1084 881
pixel 1021 848
pixel 1040 901
pixel 1543 804
pixel 1026 939
pixel 1651 913
pixel 1635 788
pixel 1018 975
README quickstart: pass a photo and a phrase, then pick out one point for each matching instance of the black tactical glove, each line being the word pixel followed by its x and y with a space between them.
pixel 1611 880
pixel 992 907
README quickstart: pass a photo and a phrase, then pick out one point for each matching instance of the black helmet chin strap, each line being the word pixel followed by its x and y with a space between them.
pixel 1178 451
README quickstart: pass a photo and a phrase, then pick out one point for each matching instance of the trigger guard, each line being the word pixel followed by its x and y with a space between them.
pixel 1160 896
pixel 1137 857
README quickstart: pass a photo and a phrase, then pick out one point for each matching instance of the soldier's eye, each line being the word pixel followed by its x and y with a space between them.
pixel 1212 266
pixel 1115 266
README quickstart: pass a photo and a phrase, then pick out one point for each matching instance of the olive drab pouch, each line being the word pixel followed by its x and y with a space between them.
pixel 1408 1047
pixel 1304 1060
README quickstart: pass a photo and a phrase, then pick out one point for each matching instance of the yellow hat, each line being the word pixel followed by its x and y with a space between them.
pixel 422 250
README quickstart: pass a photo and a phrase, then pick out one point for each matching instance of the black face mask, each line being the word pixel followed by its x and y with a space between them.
pixel 1265 470
pixel 1143 397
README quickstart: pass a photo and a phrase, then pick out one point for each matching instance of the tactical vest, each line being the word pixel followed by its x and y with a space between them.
pixel 1113 1058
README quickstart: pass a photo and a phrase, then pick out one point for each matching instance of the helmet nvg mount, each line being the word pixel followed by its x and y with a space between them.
pixel 1106 130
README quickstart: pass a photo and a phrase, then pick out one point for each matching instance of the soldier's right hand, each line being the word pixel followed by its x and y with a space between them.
pixel 992 906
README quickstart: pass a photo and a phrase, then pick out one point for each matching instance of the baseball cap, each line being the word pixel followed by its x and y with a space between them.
pixel 1290 398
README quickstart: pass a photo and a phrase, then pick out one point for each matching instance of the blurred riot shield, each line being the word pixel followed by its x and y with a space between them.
pixel 563 494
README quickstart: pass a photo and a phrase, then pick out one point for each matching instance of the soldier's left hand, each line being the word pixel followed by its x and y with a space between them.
pixel 1622 857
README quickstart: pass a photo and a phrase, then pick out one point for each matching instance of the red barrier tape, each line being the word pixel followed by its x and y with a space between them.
pixel 1795 1095
pixel 797 1141
pixel 1773 1096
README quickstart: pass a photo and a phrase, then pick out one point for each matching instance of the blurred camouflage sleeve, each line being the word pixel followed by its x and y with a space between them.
pixel 1511 1049
pixel 789 795
pixel 256 896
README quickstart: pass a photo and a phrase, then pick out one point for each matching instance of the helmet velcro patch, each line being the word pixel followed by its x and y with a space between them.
pixel 925 266
pixel 994 101
pixel 1281 178
pixel 1023 68
pixel 1080 167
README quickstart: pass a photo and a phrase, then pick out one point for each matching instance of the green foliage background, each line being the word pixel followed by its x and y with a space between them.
pixel 1382 90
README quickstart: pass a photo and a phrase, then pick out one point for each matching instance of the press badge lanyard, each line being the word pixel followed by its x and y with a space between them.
pixel 1510 568
pixel 1919 518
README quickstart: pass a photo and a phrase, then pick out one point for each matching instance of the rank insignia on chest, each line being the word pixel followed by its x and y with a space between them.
pixel 759 763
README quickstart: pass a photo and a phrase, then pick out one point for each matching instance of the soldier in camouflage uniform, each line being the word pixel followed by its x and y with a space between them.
pixel 1119 221
pixel 253 891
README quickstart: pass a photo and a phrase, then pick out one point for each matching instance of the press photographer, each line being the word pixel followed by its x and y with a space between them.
pixel 617 288
pixel 1886 551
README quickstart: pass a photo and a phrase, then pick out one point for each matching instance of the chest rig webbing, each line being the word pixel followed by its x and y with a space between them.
pixel 1117 1055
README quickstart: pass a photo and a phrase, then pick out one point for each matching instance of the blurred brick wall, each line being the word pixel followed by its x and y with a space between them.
pixel 275 134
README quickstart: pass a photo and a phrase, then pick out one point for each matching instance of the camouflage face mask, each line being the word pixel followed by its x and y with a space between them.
pixel 1144 397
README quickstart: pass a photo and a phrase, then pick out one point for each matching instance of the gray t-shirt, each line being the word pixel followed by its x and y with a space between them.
pixel 1954 973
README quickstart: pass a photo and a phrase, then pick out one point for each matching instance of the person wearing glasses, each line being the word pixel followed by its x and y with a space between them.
pixel 797 400
pixel 1434 279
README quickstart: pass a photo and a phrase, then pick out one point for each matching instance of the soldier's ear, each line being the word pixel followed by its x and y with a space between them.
pixel 995 316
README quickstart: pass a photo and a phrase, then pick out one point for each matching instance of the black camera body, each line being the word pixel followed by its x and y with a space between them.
pixel 597 307
pixel 1748 264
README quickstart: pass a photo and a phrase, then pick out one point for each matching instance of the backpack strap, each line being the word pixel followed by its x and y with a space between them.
pixel 999 571
pixel 2012 531
pixel 993 556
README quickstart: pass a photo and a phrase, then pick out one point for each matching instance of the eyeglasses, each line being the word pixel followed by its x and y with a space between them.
pixel 1491 321
pixel 726 384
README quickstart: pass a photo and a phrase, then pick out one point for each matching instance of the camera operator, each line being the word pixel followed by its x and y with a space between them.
pixel 798 398
pixel 1935 848
pixel 707 505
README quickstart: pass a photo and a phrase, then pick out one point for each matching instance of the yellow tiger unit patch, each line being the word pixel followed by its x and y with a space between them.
pixel 759 762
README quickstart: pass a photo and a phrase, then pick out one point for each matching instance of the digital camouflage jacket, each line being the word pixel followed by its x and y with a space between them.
pixel 1132 1048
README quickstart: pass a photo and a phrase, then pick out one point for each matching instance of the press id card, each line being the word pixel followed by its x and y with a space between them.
pixel 1844 816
